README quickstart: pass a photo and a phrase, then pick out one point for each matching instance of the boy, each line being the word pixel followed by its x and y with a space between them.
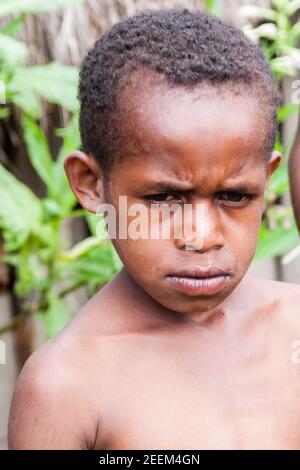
pixel 182 349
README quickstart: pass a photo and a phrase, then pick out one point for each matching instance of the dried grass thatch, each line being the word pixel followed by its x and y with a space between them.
pixel 66 36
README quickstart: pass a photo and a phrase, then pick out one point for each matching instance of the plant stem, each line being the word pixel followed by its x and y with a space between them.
pixel 76 213
pixel 14 323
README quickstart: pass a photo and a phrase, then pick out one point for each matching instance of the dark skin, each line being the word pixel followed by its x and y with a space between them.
pixel 143 365
pixel 294 174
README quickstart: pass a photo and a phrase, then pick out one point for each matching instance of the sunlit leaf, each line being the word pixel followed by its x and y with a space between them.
pixel 12 52
pixel 285 111
pixel 9 7
pixel 13 27
pixel 38 151
pixel 71 141
pixel 56 316
pixel 251 11
pixel 55 82
pixel 20 211
pixel 214 7
pixel 292 7
pixel 276 242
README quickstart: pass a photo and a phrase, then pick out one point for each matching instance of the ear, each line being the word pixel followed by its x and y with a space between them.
pixel 86 179
pixel 272 165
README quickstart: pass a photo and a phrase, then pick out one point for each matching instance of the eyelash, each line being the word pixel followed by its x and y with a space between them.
pixel 151 197
pixel 247 196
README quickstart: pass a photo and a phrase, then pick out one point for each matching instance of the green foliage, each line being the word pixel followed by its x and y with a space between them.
pixel 278 36
pixel 277 241
pixel 20 211
pixel 9 7
pixel 25 85
pixel 46 269
pixel 279 39
pixel 214 7
pixel 31 229
pixel 56 317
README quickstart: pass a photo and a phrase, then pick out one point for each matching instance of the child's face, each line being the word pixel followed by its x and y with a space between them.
pixel 208 152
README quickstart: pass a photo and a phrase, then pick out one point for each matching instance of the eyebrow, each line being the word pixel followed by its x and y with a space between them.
pixel 167 186
pixel 242 188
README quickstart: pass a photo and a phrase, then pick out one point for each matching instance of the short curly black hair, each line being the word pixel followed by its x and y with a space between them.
pixel 188 48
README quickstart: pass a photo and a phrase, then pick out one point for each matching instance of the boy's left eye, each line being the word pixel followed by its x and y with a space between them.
pixel 234 198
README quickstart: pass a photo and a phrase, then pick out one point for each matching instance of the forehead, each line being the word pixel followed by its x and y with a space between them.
pixel 183 132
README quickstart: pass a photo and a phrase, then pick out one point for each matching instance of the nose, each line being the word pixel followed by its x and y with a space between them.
pixel 201 229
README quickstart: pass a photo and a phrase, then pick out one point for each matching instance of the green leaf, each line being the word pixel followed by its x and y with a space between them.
pixel 283 66
pixel 294 34
pixel 266 30
pixel 285 111
pixel 3 92
pixel 28 269
pixel 279 181
pixel 81 248
pixel 9 7
pixel 95 223
pixel 279 4
pixel 283 23
pixel 117 263
pixel 214 7
pixel 4 112
pixel 12 52
pixel 278 146
pixel 292 7
pixel 71 141
pixel 95 266
pixel 251 11
pixel 13 27
pixel 56 317
pixel 20 211
pixel 55 82
pixel 38 151
pixel 26 99
pixel 52 208
pixel 276 242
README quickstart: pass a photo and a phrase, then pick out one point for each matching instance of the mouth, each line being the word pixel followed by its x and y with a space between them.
pixel 199 281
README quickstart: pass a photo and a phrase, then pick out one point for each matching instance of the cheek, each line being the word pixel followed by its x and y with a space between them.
pixel 242 230
pixel 140 247
pixel 140 256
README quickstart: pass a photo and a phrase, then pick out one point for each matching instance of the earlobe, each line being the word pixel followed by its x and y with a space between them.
pixel 86 180
pixel 273 164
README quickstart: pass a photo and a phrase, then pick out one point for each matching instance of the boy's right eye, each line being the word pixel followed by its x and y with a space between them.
pixel 162 197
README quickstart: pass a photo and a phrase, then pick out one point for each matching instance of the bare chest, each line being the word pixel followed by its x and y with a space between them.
pixel 223 399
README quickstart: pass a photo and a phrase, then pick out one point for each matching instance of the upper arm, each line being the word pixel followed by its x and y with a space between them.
pixel 46 412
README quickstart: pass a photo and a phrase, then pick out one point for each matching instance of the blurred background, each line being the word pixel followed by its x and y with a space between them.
pixel 51 261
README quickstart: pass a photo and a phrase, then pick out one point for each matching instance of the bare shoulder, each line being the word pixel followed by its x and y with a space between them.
pixel 289 294
pixel 274 289
pixel 64 379
pixel 283 288
pixel 283 298
pixel 47 397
